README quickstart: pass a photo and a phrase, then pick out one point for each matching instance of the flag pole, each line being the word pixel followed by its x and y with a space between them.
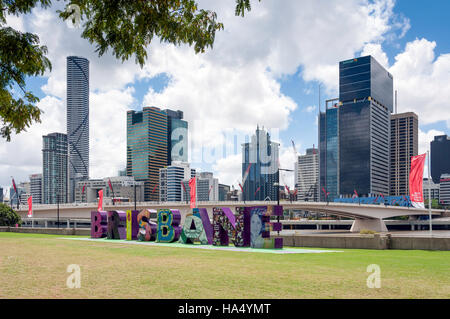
pixel 429 195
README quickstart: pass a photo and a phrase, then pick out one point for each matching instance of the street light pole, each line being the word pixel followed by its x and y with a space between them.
pixel 57 211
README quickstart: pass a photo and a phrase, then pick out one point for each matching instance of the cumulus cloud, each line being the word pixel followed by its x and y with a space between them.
pixel 423 81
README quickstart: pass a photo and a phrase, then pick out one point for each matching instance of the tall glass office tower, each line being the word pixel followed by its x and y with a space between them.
pixel 262 154
pixel 147 148
pixel 360 126
pixel 366 95
pixel 77 121
pixel 177 137
pixel 329 152
pixel 54 169
pixel 440 157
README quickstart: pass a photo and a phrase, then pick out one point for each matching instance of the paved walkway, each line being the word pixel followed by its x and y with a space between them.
pixel 209 247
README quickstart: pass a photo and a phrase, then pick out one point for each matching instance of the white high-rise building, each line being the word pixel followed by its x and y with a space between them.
pixel 170 178
pixel 307 176
pixel 36 188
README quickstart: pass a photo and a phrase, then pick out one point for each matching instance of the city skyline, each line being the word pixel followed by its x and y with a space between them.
pixel 294 101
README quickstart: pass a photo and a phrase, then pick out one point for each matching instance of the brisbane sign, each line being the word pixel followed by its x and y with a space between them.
pixel 248 227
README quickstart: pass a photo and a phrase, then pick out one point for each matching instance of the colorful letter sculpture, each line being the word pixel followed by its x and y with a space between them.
pixel 99 224
pixel 168 225
pixel 147 229
pixel 261 226
pixel 242 234
pixel 248 227
pixel 227 225
pixel 117 227
pixel 132 224
pixel 197 227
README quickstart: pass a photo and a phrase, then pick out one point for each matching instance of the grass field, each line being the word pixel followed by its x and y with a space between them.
pixel 35 266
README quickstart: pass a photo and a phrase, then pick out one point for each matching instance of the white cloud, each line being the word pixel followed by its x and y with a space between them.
pixel 425 139
pixel 375 50
pixel 310 108
pixel 423 81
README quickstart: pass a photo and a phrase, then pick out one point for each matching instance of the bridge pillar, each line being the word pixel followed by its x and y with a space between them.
pixel 377 225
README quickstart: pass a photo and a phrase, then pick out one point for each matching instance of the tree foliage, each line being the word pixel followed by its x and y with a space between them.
pixel 8 217
pixel 126 27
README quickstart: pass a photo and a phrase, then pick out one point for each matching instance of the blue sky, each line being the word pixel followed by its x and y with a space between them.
pixel 264 69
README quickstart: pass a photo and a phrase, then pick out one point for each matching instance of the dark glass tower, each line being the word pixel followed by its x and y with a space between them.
pixel 366 99
pixel 147 148
pixel 440 157
pixel 77 121
pixel 354 134
pixel 177 137
pixel 329 152
pixel 263 174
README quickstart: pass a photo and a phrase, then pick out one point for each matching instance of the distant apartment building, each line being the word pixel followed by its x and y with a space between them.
pixel 1 194
pixel 123 189
pixel 36 188
pixel 444 190
pixel 434 189
pixel 207 188
pixel 440 157
pixel 224 192
pixel 260 166
pixel 404 145
pixel 54 169
pixel 307 175
pixel 170 181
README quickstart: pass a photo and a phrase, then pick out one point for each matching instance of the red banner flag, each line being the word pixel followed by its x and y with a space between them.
pixel 30 206
pixel 100 200
pixel 14 185
pixel 192 191
pixel 416 180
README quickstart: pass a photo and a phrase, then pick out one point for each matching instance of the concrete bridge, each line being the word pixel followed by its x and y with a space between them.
pixel 365 216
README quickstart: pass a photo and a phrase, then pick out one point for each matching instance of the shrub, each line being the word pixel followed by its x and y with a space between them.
pixel 8 217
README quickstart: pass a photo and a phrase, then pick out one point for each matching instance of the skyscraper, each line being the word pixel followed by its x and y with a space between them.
pixel 177 137
pixel 77 120
pixel 329 152
pixel 147 148
pixel 263 174
pixel 440 157
pixel 170 179
pixel 404 144
pixel 54 170
pixel 36 188
pixel 307 175
pixel 365 106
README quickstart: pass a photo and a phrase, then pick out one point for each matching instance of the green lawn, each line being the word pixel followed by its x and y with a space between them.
pixel 35 266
